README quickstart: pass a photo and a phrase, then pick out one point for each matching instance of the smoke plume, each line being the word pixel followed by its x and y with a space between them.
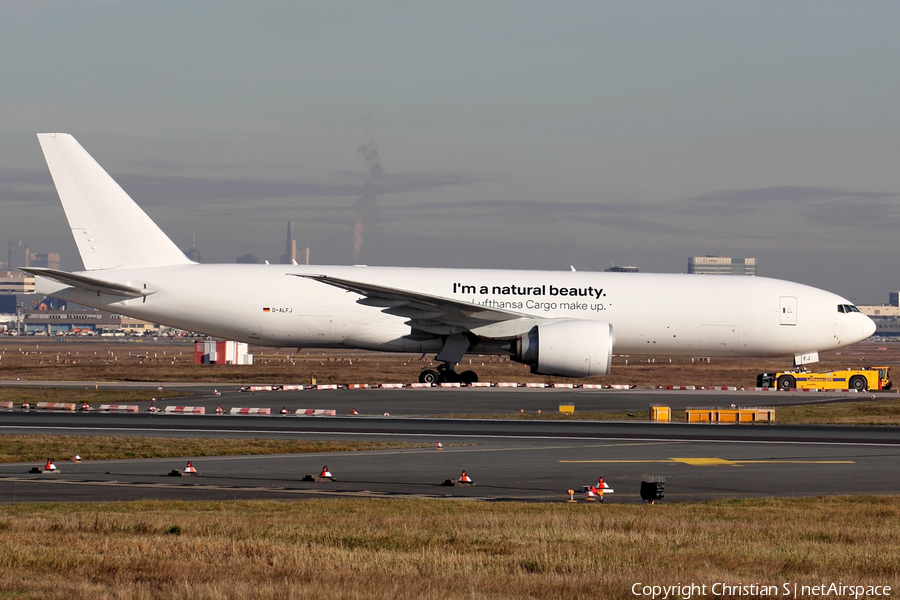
pixel 366 205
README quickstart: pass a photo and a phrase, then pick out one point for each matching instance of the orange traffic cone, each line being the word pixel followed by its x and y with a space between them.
pixel 25 406
pixel 285 411
pixel 49 466
pixel 439 446
pixel 353 412
pixel 85 406
pixel 76 458
pixel 464 478
pixel 219 410
pixel 325 472
pixel 190 468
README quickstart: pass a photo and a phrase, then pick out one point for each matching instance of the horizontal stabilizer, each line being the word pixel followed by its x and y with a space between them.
pixel 91 284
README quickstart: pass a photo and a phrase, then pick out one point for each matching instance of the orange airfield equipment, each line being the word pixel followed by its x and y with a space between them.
pixel 866 378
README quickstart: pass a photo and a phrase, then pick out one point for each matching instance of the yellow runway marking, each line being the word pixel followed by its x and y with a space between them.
pixel 718 462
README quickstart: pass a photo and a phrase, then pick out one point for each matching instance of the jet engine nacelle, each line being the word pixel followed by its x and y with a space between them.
pixel 568 347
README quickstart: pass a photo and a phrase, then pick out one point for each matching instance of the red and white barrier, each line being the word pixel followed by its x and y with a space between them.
pixel 260 388
pixel 119 407
pixel 508 384
pixel 450 384
pixel 186 410
pixel 6 404
pixel 391 386
pixel 564 385
pixel 293 388
pixel 480 384
pixel 536 385
pixel 316 412
pixel 592 386
pixel 329 386
pixel 620 386
pixel 251 411
pixel 358 386
pixel 420 385
pixel 55 405
pixel 723 388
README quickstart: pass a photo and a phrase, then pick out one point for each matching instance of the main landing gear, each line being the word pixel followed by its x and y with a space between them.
pixel 455 347
pixel 446 374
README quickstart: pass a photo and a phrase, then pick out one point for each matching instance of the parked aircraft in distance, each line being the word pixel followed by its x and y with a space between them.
pixel 560 323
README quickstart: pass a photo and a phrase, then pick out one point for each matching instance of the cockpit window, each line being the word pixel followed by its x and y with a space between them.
pixel 847 308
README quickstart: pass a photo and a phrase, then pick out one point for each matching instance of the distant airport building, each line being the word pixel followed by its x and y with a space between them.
pixel 49 260
pixel 895 299
pixel 713 264
pixel 249 259
pixel 94 322
pixel 192 253
pixel 623 269
pixel 19 255
pixel 290 256
pixel 16 282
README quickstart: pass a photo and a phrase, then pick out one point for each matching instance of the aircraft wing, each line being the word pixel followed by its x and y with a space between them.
pixel 91 284
pixel 435 314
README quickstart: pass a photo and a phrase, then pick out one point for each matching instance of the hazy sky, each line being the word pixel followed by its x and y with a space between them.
pixel 510 134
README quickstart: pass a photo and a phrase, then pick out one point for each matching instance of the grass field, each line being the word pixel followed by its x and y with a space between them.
pixel 36 358
pixel 26 448
pixel 439 549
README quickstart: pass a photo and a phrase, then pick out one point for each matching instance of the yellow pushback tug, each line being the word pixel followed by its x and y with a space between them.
pixel 866 378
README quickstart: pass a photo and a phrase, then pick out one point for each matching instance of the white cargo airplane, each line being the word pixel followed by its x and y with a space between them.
pixel 560 323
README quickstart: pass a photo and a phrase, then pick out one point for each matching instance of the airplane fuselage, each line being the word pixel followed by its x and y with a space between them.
pixel 659 314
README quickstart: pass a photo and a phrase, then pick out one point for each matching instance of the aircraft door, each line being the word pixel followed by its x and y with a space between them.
pixel 787 313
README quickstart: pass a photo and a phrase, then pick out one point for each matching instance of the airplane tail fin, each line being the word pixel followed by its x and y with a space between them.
pixel 110 230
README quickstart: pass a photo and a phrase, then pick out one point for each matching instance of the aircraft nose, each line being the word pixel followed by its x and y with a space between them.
pixel 868 328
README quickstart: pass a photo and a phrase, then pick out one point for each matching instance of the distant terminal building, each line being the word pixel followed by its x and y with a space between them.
pixel 16 282
pixel 895 299
pixel 249 259
pixel 94 322
pixel 712 264
pixel 623 269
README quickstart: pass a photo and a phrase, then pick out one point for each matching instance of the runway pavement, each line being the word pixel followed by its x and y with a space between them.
pixel 509 460
pixel 455 401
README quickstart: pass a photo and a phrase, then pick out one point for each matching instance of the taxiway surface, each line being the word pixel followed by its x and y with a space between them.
pixel 514 460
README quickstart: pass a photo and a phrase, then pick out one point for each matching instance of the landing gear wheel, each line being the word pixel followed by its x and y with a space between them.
pixel 468 377
pixel 786 382
pixel 428 376
pixel 858 383
pixel 448 376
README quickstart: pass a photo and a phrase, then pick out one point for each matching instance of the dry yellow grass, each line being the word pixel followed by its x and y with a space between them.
pixel 438 549
pixel 101 360
pixel 33 395
pixel 25 448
